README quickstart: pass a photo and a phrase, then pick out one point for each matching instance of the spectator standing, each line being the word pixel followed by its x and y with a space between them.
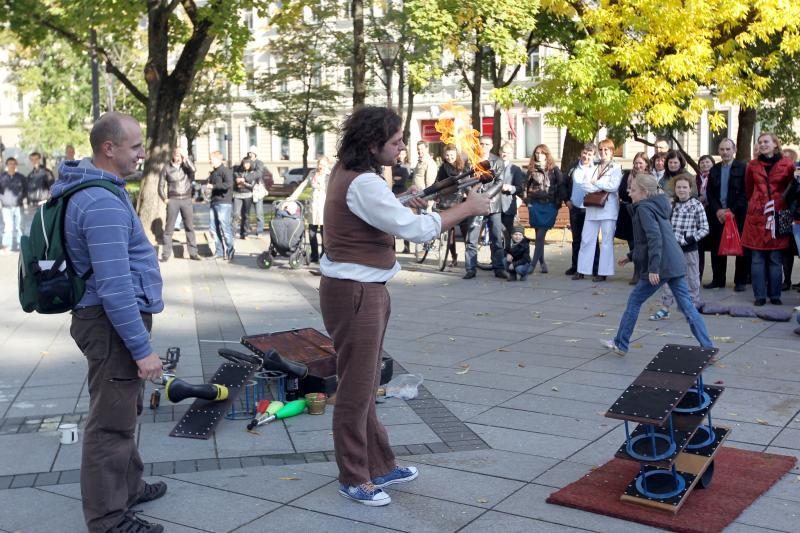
pixel 426 170
pixel 39 181
pixel 12 196
pixel 605 178
pixel 266 179
pixel 245 178
pixel 766 179
pixel 704 164
pixel 726 193
pixel 220 185
pixel 675 166
pixel 582 170
pixel 453 165
pixel 495 219
pixel 624 229
pixel 401 181
pixel 544 191
pixel 791 252
pixel 660 262
pixel 111 324
pixel 513 188
pixel 319 188
pixel 175 186
pixel 658 166
pixel 690 226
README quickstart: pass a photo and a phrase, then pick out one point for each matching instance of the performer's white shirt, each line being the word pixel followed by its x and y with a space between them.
pixel 372 201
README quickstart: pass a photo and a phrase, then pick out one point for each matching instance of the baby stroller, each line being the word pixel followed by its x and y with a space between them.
pixel 287 236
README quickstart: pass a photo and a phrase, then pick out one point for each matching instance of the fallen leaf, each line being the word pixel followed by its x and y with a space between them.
pixel 462 372
pixel 521 365
pixel 636 345
pixel 601 315
pixel 554 389
pixel 719 382
pixel 572 340
pixel 557 323
pixel 762 422
pixel 289 478
pixel 503 350
pixel 483 500
pixel 452 339
pixel 44 353
pixel 722 339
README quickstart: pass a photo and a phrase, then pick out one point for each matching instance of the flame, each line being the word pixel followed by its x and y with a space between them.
pixel 455 127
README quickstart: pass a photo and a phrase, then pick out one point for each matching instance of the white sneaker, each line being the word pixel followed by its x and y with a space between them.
pixel 609 345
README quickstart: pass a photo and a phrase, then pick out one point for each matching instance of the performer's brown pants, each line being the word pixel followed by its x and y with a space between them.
pixel 111 469
pixel 355 315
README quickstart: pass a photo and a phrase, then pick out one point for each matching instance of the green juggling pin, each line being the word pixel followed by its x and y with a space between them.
pixel 292 408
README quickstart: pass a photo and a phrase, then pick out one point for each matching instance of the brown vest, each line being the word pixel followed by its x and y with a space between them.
pixel 347 238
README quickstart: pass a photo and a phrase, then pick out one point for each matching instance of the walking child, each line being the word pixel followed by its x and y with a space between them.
pixel 690 225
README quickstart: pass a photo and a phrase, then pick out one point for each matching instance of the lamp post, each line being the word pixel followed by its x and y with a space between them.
pixel 387 52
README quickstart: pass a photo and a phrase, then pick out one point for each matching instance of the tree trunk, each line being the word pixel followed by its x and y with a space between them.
pixel 401 84
pixel 409 113
pixel 359 54
pixel 572 151
pixel 162 132
pixel 477 76
pixel 497 133
pixel 744 136
pixel 305 153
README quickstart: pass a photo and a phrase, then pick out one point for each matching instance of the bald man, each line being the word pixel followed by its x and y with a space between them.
pixel 111 324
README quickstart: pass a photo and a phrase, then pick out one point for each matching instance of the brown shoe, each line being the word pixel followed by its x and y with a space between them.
pixel 578 276
pixel 598 279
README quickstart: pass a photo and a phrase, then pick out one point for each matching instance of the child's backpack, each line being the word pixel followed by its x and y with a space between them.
pixel 47 281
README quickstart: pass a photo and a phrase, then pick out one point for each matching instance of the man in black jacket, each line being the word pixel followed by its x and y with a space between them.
pixel 39 181
pixel 513 186
pixel 726 193
pixel 220 182
pixel 175 187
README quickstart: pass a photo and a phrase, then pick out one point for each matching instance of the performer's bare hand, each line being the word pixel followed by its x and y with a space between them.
pixel 150 367
pixel 417 203
pixel 477 202
pixel 654 278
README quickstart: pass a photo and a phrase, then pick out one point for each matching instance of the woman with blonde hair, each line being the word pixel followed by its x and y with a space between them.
pixel 544 192
pixel 659 258
pixel 602 208
pixel 319 188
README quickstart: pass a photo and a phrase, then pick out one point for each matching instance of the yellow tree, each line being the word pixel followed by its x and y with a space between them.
pixel 659 64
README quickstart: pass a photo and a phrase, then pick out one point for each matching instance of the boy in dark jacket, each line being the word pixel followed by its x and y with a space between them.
pixel 518 256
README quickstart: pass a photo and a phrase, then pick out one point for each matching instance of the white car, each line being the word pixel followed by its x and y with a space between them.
pixel 294 176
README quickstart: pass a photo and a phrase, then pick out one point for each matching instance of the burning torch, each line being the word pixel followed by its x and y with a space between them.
pixel 479 174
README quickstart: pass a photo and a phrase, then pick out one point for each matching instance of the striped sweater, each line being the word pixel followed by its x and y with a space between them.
pixel 103 232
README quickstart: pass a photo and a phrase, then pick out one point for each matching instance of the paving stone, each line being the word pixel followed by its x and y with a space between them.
pixel 155 444
pixel 23 480
pixel 5 482
pixel 47 478
pixel 494 522
pixel 23 453
pixel 69 476
pixel 163 468
pixel 527 442
pixel 182 467
pixel 276 522
pixel 316 457
pixel 552 424
pixel 249 462
pixel 430 515
pixel 771 513
pixel 230 462
pixel 36 510
pixel 207 464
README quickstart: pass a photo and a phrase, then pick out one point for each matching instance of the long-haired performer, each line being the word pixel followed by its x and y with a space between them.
pixel 362 217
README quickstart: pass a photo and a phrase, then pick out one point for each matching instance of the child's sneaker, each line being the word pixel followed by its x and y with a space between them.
pixel 400 474
pixel 609 345
pixel 366 493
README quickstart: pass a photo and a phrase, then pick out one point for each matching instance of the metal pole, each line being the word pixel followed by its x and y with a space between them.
pixel 95 76
pixel 388 70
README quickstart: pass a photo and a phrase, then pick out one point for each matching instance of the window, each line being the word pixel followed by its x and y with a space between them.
pixel 221 140
pixel 347 77
pixel 715 137
pixel 285 148
pixel 252 136
pixel 533 134
pixel 532 67
pixel 319 143
pixel 248 19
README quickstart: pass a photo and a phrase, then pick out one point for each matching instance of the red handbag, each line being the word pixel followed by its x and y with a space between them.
pixel 730 243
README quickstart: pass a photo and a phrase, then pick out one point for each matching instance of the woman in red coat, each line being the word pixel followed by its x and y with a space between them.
pixel 765 180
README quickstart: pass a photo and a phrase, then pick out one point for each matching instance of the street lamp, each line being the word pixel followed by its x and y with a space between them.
pixel 387 52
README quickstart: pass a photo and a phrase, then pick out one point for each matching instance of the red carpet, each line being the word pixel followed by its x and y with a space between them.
pixel 740 477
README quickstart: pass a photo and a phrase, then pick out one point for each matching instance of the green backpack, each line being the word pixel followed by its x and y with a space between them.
pixel 47 281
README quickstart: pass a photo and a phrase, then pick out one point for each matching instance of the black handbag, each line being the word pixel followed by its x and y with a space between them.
pixel 783 218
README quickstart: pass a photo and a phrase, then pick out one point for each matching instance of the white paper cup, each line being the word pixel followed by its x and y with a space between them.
pixel 69 433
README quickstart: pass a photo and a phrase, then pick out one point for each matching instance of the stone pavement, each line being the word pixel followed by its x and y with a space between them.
pixel 511 409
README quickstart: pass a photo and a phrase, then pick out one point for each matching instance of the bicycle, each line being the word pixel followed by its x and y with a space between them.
pixel 484 246
pixel 437 247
